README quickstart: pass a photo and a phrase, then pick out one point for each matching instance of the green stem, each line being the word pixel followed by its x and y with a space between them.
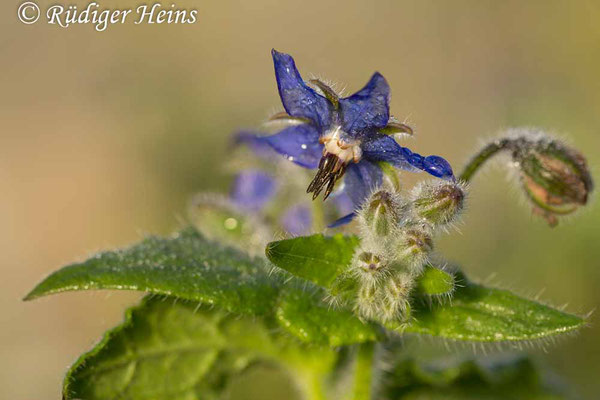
pixel 480 158
pixel 316 391
pixel 318 216
pixel 363 373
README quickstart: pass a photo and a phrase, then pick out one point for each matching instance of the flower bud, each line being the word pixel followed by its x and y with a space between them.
pixel 369 268
pixel 395 297
pixel 368 302
pixel 380 213
pixel 386 302
pixel 438 203
pixel 555 177
pixel 413 244
pixel 369 262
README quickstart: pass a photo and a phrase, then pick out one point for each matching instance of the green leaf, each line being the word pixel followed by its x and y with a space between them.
pixel 477 313
pixel 180 350
pixel 186 266
pixel 307 316
pixel 316 258
pixel 189 267
pixel 435 282
pixel 513 378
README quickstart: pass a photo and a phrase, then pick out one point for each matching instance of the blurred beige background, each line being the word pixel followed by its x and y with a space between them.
pixel 106 135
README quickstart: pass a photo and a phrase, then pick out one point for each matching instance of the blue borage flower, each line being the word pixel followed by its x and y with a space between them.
pixel 347 136
pixel 254 189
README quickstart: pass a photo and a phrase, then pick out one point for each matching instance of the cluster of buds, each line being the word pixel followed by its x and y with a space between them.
pixel 396 243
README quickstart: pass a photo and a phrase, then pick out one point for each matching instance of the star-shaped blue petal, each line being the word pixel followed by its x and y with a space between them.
pixel 299 100
pixel 368 109
pixel 298 143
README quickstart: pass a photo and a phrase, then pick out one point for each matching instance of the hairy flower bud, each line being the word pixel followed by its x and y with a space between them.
pixel 413 244
pixel 380 213
pixel 438 203
pixel 555 177
pixel 387 301
pixel 395 297
pixel 369 268
pixel 369 262
pixel 368 302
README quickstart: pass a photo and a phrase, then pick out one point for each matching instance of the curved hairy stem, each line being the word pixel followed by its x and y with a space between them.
pixel 480 158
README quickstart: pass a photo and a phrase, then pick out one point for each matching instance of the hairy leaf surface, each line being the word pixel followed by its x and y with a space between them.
pixel 189 267
pixel 185 265
pixel 478 313
pixel 306 316
pixel 317 258
pixel 169 349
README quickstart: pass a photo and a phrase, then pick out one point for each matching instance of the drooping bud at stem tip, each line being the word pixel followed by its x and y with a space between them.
pixel 555 177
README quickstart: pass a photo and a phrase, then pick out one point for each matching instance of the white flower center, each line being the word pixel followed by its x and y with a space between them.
pixel 337 154
pixel 345 151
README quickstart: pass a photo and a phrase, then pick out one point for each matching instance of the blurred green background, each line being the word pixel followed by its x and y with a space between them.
pixel 105 136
